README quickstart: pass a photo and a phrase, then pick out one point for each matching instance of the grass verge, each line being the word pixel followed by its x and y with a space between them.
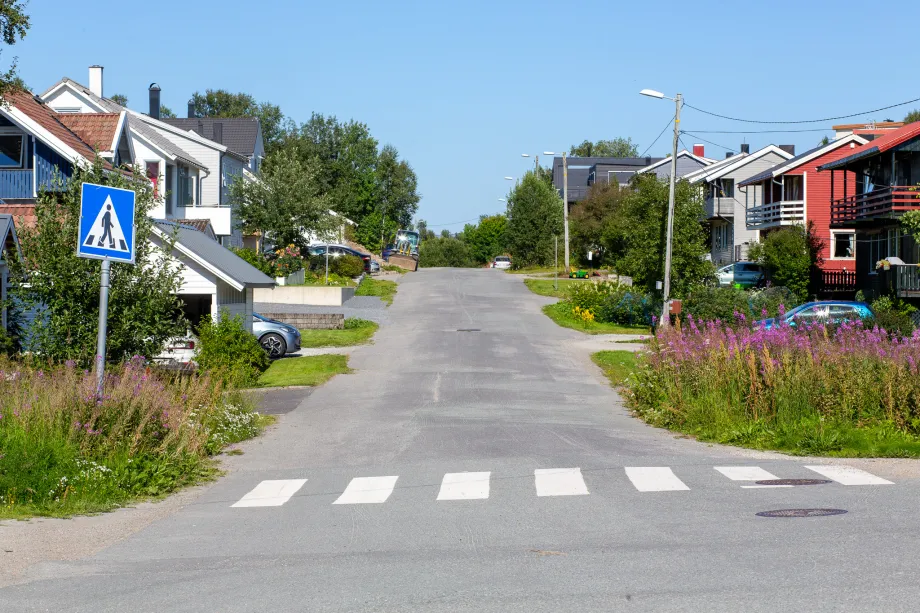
pixel 308 370
pixel 617 365
pixel 356 332
pixel 545 287
pixel 537 270
pixel 561 313
pixel 383 289
pixel 392 268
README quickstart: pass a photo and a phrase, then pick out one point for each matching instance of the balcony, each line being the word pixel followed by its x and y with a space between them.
pixel 906 281
pixel 776 214
pixel 16 184
pixel 719 207
pixel 881 203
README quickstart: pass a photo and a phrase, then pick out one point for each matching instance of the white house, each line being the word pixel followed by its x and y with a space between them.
pixel 214 280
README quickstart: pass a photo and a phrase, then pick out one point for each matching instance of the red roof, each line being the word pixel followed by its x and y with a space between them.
pixel 23 214
pixel 95 129
pixel 886 142
pixel 42 114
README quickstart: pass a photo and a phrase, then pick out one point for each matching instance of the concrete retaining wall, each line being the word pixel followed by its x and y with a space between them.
pixel 314 295
pixel 310 321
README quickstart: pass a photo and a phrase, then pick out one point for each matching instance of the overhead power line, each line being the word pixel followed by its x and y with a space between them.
pixel 884 108
pixel 657 137
pixel 709 142
pixel 762 131
pixel 453 223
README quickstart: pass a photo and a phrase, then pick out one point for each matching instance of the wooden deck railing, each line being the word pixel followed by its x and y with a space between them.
pixel 879 202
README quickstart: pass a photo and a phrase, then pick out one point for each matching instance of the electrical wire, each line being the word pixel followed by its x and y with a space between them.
pixel 657 137
pixel 453 223
pixel 694 135
pixel 762 131
pixel 884 108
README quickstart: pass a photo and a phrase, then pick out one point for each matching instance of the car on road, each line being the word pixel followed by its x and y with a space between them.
pixel 501 261
pixel 277 338
pixel 740 274
pixel 824 311
pixel 336 251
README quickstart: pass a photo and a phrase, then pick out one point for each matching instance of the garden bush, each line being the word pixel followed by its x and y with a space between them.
pixel 64 451
pixel 727 303
pixel 626 306
pixel 256 259
pixel 893 315
pixel 841 390
pixel 228 350
pixel 349 266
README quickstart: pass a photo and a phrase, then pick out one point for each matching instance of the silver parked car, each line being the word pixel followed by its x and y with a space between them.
pixel 740 274
pixel 277 338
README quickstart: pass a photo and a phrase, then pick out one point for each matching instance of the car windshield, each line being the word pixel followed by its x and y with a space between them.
pixel 502 259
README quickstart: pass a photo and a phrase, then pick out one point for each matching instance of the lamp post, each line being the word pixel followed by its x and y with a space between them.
pixel 536 160
pixel 678 101
pixel 565 204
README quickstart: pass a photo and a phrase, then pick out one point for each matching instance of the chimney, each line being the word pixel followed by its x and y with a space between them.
pixel 790 149
pixel 699 150
pixel 745 148
pixel 648 160
pixel 218 130
pixel 191 109
pixel 154 91
pixel 95 80
pixel 728 154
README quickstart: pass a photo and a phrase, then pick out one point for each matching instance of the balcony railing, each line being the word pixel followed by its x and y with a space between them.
pixel 16 184
pixel 719 207
pixel 878 203
pixel 906 281
pixel 784 213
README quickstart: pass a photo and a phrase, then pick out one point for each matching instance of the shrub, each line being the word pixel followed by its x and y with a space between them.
pixel 349 266
pixel 588 295
pixel 790 256
pixel 626 306
pixel 355 323
pixel 893 316
pixel 444 252
pixel 726 303
pixel 226 349
pixel 288 261
pixel 256 259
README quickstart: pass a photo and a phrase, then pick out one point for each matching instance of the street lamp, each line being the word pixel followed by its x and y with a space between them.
pixel 536 160
pixel 565 204
pixel 679 102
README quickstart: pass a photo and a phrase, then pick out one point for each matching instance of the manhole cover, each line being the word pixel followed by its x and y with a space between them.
pixel 468 330
pixel 801 512
pixel 792 482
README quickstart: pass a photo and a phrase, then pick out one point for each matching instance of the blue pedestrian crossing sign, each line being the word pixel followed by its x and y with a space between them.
pixel 106 223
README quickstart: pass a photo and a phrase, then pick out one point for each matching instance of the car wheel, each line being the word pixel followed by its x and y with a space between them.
pixel 274 345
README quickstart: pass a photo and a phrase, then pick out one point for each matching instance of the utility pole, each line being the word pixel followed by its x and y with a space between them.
pixel 565 205
pixel 665 309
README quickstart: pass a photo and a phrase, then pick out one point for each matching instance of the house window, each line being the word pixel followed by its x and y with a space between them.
pixel 153 173
pixel 724 236
pixel 169 191
pixel 894 243
pixel 843 245
pixel 186 187
pixel 11 150
pixel 793 188
pixel 725 188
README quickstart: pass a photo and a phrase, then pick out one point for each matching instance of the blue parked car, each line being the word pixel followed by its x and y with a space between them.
pixel 824 311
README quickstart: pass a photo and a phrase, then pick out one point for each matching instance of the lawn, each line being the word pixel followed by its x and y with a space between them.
pixel 545 287
pixel 617 365
pixel 356 332
pixel 385 290
pixel 537 270
pixel 308 370
pixel 561 313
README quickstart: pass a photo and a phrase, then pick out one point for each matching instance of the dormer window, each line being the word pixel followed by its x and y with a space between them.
pixel 12 144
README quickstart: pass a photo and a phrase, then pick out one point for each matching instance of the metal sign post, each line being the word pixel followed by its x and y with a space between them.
pixel 106 233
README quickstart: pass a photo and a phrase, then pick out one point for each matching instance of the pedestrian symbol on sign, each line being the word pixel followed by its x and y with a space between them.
pixel 106 231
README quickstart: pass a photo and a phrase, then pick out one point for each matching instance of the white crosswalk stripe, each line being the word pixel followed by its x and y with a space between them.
pixel 272 493
pixel 654 479
pixel 848 475
pixel 745 473
pixel 559 482
pixel 367 490
pixel 464 486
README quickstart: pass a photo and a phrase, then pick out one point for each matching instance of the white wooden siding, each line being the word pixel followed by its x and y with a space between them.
pixel 743 200
pixel 231 303
pixel 209 183
pixel 64 98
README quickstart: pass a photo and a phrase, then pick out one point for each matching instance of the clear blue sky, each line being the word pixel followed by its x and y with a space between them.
pixel 463 88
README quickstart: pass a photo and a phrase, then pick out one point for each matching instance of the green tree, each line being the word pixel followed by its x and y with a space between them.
pixel 423 232
pixel 119 99
pixel 534 218
pixel 913 116
pixel 14 23
pixel 790 256
pixel 369 231
pixel 617 148
pixel 444 251
pixel 588 218
pixel 287 204
pixel 486 239
pixel 144 310
pixel 634 239
pixel 166 112
pixel 397 191
pixel 221 103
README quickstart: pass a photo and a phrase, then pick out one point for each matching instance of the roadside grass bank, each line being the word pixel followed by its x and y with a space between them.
pixel 383 289
pixel 563 315
pixel 813 390
pixel 546 287
pixel 537 270
pixel 356 332
pixel 307 370
pixel 63 452
pixel 392 268
pixel 616 364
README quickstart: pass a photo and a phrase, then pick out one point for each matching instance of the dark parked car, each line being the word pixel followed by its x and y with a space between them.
pixel 336 251
pixel 825 311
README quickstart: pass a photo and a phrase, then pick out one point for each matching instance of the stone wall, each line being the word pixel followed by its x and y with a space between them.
pixel 310 321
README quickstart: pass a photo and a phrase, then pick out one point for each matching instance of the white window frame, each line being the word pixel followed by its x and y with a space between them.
pixel 23 146
pixel 834 234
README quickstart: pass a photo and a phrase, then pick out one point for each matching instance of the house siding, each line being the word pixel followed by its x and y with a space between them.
pixel 48 166
pixel 209 181
pixel 685 166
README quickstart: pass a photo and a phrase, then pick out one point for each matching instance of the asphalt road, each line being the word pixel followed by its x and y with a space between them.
pixel 493 470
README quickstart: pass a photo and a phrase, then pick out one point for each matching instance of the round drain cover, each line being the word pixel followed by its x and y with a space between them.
pixel 792 482
pixel 801 513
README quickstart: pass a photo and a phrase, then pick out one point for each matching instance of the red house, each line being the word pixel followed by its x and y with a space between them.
pixel 794 192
